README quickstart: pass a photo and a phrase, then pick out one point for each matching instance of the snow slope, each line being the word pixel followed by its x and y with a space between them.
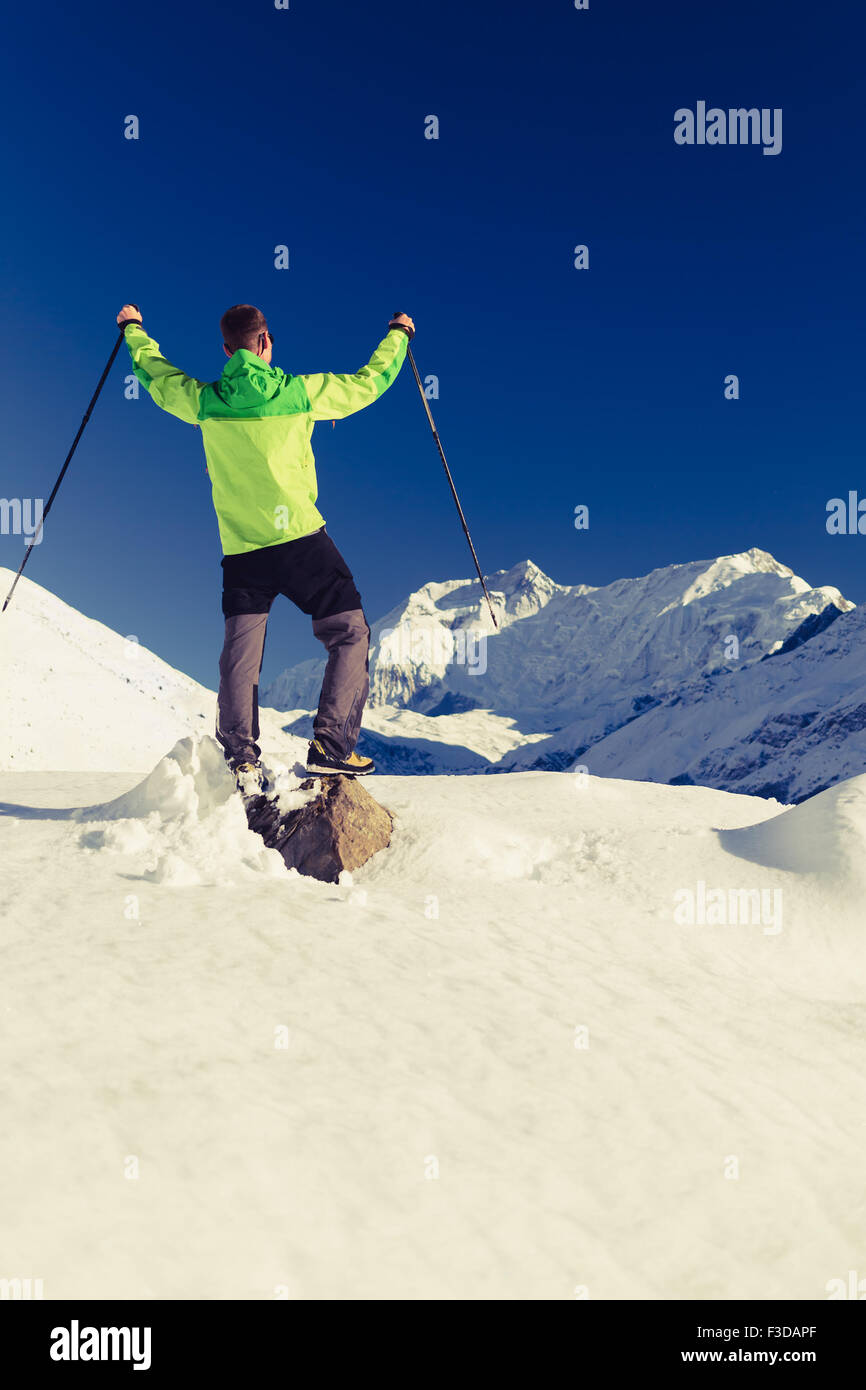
pixel 786 727
pixel 74 695
pixel 493 1065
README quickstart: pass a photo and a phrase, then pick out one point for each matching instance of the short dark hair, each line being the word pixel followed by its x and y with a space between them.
pixel 242 326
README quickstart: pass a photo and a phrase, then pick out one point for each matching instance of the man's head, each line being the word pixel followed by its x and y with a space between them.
pixel 245 326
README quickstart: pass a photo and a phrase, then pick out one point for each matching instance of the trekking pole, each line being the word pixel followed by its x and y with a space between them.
pixel 450 481
pixel 37 537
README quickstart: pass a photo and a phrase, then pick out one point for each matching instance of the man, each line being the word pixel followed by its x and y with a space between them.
pixel 256 425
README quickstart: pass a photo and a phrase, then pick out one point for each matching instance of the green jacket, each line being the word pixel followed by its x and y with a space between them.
pixel 257 424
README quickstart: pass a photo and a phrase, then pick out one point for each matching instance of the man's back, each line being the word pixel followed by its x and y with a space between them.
pixel 257 423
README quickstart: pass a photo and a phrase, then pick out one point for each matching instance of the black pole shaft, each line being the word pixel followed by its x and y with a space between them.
pixel 35 541
pixel 451 483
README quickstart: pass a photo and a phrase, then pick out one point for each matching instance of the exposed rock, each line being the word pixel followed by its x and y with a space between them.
pixel 339 828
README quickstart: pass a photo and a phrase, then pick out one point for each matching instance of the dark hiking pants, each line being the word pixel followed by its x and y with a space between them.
pixel 313 574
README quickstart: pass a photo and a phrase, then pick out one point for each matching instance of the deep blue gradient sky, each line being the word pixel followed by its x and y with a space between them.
pixel 558 387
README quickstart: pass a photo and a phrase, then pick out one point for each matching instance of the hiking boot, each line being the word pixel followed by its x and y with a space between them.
pixel 250 777
pixel 323 763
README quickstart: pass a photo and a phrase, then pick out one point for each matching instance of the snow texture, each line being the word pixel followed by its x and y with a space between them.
pixel 491 1064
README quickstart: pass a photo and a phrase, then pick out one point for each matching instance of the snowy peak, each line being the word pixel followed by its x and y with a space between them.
pixel 755 571
pixel 516 593
pixel 525 589
pixel 727 569
pixel 766 579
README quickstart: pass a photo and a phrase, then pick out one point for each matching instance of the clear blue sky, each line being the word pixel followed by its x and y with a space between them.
pixel 306 127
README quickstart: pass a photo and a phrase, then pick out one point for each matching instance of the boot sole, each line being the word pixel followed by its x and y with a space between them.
pixel 320 771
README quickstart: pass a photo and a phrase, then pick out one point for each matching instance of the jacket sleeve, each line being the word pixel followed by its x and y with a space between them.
pixel 170 388
pixel 333 395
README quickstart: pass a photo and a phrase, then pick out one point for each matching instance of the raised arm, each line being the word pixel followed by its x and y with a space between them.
pixel 169 387
pixel 334 395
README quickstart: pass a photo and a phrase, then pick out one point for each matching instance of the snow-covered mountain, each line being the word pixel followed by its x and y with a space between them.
pixel 607 650
pixel 416 647
pixel 785 727
pixel 569 665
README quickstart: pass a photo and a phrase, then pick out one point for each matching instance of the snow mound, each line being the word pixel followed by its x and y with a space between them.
pixel 826 835
pixel 185 823
pixel 192 781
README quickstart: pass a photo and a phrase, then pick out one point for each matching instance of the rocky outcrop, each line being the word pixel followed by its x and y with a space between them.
pixel 341 827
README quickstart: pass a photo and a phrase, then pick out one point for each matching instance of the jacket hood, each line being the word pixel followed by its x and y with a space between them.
pixel 247 381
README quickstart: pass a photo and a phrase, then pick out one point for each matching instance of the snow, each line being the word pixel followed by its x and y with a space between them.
pixel 431 1006
pixel 76 696
pixel 787 727
pixel 567 1031
pixel 184 822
